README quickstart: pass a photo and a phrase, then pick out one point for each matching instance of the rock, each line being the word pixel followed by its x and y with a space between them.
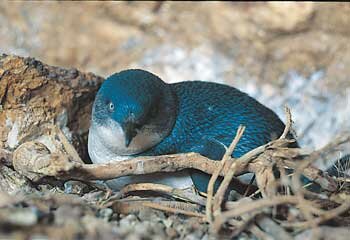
pixel 283 17
pixel 327 233
pixel 67 214
pixel 33 94
pixel 13 182
pixel 24 217
pixel 31 97
pixel 105 213
pixel 76 187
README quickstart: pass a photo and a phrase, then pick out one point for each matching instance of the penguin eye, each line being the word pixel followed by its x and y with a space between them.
pixel 110 107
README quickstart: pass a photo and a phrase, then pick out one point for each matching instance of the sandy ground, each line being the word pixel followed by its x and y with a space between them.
pixel 291 53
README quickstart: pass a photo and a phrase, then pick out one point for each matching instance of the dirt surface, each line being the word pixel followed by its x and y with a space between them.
pixel 291 53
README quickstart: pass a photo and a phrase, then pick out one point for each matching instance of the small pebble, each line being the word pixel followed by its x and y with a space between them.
pixel 75 187
pixel 105 213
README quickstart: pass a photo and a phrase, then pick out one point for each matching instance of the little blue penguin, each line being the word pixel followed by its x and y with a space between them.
pixel 135 113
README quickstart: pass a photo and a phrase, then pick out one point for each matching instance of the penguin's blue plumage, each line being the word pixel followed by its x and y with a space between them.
pixel 212 112
pixel 159 118
pixel 208 117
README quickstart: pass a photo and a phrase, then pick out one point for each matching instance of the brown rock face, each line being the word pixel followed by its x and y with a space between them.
pixel 260 40
pixel 33 94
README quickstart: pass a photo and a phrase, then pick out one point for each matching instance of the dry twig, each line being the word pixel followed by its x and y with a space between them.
pixel 222 189
pixel 174 192
pixel 127 206
pixel 173 210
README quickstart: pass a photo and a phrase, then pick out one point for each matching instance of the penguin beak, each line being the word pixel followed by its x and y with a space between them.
pixel 130 132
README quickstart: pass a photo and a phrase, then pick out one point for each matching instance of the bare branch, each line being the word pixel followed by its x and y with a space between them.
pixel 222 189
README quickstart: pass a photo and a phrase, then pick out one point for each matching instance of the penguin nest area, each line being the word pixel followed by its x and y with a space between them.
pixel 48 191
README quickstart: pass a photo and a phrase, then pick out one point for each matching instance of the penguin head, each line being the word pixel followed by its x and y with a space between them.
pixel 133 111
